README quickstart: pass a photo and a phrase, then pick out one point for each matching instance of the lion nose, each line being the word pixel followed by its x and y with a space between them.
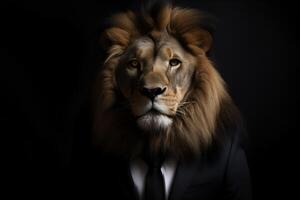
pixel 152 92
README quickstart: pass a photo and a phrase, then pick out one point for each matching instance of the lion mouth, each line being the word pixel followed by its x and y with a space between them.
pixel 154 120
pixel 154 112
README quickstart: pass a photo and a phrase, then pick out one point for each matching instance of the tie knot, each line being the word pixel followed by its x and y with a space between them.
pixel 154 160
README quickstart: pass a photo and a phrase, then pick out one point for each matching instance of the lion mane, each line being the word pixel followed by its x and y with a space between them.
pixel 209 108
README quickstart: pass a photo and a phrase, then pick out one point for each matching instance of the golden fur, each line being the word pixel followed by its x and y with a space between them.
pixel 196 108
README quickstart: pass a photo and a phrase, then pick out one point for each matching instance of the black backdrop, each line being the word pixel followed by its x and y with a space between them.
pixel 48 62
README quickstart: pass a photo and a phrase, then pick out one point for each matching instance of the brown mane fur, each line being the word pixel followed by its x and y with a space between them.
pixel 209 107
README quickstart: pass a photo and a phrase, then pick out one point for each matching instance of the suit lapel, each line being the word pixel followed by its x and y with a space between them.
pixel 183 176
pixel 128 189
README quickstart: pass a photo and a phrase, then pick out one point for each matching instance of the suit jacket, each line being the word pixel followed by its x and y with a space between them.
pixel 220 174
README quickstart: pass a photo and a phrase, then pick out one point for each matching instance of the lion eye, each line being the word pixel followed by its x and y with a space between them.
pixel 174 62
pixel 134 63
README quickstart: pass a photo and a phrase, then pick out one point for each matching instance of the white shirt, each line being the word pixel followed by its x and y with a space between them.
pixel 139 169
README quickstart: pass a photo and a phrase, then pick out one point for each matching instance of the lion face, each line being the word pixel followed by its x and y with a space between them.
pixel 157 79
pixel 154 78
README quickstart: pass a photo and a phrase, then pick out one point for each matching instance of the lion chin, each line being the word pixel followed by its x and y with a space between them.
pixel 154 121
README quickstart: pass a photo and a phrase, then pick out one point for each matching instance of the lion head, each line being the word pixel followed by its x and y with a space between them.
pixel 157 85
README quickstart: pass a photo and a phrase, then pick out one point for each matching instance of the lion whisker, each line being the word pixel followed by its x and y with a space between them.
pixel 181 104
pixel 180 112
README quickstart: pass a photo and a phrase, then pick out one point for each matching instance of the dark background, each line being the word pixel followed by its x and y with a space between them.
pixel 48 62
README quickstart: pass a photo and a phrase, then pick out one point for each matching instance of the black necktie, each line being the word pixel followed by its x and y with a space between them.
pixel 155 185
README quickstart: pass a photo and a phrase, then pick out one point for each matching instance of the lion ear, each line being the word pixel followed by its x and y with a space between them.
pixel 191 27
pixel 121 30
pixel 115 36
pixel 200 38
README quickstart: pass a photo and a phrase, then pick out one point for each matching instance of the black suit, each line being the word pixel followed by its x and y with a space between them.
pixel 222 173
